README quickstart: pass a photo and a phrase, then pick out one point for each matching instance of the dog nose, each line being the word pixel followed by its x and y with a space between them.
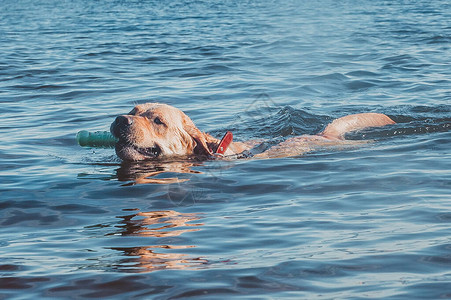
pixel 121 125
pixel 124 121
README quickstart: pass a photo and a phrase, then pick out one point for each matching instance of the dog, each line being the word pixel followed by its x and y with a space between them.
pixel 153 131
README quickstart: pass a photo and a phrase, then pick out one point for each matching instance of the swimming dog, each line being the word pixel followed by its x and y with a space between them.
pixel 160 131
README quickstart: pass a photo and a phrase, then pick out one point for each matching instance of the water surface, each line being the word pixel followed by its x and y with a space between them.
pixel 364 222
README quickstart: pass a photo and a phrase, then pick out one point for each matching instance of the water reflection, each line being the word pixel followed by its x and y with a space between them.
pixel 155 171
pixel 166 223
pixel 156 224
pixel 145 259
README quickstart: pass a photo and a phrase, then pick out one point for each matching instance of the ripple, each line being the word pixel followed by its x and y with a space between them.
pixel 359 85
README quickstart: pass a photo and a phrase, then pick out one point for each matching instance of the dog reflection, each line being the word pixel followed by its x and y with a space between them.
pixel 157 257
pixel 144 259
pixel 154 172
pixel 166 223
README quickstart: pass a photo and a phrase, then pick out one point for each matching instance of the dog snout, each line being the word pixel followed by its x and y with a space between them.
pixel 122 121
pixel 121 124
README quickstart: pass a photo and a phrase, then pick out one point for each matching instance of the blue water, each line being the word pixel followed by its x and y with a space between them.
pixel 371 221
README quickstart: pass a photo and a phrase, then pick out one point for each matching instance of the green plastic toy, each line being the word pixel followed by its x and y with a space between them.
pixel 97 139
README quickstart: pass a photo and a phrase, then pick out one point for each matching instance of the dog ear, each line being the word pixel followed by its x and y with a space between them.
pixel 201 146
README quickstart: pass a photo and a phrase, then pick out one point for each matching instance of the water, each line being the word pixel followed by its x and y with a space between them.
pixel 365 222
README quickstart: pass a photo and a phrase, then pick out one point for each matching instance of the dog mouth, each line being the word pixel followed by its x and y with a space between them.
pixel 152 152
pixel 127 151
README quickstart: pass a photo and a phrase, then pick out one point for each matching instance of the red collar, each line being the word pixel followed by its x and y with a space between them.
pixel 224 144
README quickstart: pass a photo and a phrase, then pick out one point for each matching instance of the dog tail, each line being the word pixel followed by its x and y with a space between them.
pixel 338 128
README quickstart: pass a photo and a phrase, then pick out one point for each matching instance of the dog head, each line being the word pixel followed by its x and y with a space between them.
pixel 155 130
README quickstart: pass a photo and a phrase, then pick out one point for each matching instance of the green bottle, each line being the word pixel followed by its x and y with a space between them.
pixel 97 139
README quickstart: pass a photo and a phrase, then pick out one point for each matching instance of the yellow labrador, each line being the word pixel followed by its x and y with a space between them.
pixel 155 130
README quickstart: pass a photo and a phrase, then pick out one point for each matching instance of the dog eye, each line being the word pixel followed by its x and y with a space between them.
pixel 158 121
